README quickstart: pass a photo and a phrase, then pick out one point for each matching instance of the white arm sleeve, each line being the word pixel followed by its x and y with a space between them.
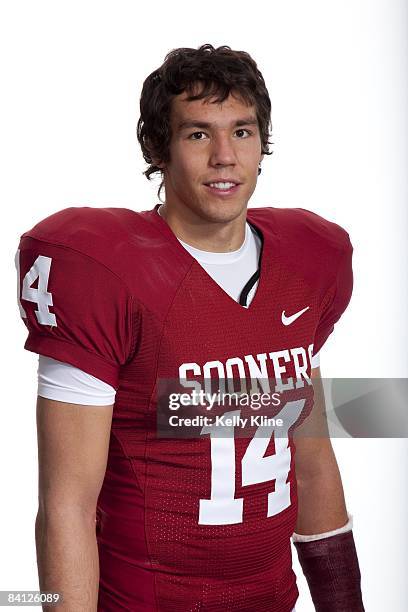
pixel 315 363
pixel 328 534
pixel 65 383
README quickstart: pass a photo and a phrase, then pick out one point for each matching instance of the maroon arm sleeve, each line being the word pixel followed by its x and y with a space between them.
pixel 332 571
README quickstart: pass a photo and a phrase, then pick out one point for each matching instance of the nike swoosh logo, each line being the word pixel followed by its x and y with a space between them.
pixel 288 320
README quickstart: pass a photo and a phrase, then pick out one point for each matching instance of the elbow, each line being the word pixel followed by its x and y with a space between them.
pixel 56 509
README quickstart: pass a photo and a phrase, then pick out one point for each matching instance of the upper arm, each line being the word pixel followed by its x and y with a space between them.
pixel 314 451
pixel 80 312
pixel 73 442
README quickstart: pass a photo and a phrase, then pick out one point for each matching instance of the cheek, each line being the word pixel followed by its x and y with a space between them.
pixel 252 155
pixel 187 170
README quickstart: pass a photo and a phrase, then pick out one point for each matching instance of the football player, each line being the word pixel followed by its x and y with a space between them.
pixel 199 288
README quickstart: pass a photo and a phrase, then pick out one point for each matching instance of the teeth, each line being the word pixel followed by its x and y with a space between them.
pixel 222 185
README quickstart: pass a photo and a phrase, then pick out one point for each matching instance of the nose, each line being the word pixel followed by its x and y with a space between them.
pixel 222 150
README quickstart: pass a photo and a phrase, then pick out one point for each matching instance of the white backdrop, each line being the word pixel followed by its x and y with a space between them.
pixel 71 77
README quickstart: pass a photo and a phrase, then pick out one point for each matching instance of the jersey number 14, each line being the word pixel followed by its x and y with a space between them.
pixel 39 270
pixel 223 508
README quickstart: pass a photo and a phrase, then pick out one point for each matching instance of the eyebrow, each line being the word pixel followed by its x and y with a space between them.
pixel 205 125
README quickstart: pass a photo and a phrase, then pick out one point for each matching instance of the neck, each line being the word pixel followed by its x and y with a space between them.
pixel 212 236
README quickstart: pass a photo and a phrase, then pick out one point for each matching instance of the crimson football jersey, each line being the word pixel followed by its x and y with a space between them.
pixel 202 523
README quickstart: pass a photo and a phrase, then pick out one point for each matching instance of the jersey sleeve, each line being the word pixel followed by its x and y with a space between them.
pixel 75 309
pixel 337 297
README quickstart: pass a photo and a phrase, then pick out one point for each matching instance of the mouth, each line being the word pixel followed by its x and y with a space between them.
pixel 223 188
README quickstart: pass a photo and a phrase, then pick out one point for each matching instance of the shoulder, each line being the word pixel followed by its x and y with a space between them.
pixel 311 248
pixel 101 242
pixel 299 228
pixel 75 226
pixel 104 235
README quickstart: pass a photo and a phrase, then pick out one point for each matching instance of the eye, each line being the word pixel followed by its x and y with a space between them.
pixel 194 134
pixel 243 130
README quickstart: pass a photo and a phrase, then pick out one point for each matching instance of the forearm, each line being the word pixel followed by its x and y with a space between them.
pixel 321 503
pixel 67 558
pixel 328 555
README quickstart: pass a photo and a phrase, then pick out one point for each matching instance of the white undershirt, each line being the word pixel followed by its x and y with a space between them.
pixel 234 269
pixel 66 383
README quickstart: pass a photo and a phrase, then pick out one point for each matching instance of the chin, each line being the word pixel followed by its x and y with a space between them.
pixel 223 211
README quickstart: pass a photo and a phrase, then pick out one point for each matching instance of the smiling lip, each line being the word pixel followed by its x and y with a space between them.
pixel 223 192
pixel 222 180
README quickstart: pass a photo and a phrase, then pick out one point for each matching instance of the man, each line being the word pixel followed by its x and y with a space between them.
pixel 116 302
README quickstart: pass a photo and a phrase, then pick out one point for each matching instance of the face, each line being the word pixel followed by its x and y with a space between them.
pixel 212 143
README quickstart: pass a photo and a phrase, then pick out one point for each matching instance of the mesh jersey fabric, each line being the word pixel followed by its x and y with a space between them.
pixel 63 382
pixel 161 314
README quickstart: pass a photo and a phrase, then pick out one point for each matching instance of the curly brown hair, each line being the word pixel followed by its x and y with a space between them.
pixel 220 71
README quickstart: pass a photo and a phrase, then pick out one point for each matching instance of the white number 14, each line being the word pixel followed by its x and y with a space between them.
pixel 223 508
